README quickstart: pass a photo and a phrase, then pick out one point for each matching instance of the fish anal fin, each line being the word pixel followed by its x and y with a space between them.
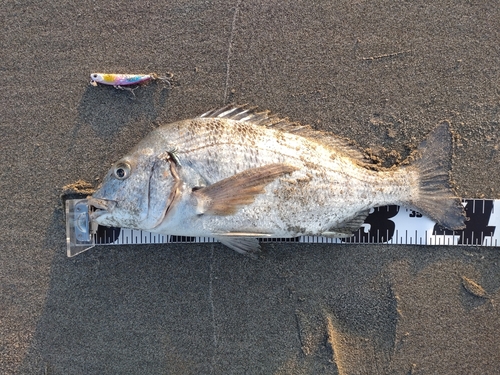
pixel 226 196
pixel 347 228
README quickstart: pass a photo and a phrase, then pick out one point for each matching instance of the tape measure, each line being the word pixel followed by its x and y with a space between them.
pixel 385 225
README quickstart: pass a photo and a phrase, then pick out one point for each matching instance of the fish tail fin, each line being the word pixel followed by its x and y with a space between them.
pixel 435 197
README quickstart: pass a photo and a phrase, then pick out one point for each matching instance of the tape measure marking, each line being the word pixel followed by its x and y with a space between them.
pixel 392 225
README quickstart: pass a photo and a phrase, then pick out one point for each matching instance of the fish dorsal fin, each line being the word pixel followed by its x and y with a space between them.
pixel 226 196
pixel 245 113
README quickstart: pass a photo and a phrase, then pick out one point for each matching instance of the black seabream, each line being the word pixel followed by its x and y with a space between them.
pixel 237 174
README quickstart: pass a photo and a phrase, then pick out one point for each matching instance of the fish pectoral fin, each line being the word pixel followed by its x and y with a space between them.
pixel 347 228
pixel 243 245
pixel 226 196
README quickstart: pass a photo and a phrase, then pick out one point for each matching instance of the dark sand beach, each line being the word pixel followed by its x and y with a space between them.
pixel 382 73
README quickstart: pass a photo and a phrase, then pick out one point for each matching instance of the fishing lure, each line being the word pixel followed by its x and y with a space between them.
pixel 118 81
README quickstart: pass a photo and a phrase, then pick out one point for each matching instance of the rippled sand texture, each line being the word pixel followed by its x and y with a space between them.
pixel 381 73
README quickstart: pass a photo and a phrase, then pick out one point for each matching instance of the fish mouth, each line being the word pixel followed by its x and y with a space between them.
pixel 100 207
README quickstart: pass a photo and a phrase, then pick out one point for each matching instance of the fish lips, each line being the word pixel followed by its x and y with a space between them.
pixel 101 207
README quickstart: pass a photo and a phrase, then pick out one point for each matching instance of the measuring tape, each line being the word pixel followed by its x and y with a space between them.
pixel 385 225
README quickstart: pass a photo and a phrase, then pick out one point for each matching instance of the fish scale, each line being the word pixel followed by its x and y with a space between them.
pixel 265 152
pixel 309 200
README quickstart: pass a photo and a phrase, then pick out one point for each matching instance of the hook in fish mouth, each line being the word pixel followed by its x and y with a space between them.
pixel 100 207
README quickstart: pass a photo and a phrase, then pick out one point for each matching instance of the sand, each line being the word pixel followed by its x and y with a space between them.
pixel 381 73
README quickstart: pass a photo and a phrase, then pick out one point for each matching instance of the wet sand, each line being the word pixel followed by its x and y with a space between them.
pixel 382 74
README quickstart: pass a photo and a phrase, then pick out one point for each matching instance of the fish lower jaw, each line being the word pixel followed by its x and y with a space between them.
pixel 99 208
pixel 96 214
pixel 100 204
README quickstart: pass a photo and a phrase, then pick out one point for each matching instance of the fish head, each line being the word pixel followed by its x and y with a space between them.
pixel 136 192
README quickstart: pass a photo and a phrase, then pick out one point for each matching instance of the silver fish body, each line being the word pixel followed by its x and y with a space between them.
pixel 237 174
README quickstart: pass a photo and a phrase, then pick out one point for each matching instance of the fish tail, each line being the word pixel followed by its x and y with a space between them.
pixel 435 197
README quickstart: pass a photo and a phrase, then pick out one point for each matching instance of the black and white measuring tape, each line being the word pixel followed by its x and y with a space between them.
pixel 388 225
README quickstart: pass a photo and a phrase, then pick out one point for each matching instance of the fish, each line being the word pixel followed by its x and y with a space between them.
pixel 238 174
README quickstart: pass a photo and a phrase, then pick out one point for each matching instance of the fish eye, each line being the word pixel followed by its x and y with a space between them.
pixel 94 75
pixel 122 170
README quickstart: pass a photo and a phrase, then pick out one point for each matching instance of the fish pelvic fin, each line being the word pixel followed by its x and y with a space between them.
pixel 226 196
pixel 243 245
pixel 435 197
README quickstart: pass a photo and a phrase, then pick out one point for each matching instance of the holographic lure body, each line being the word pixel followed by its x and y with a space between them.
pixel 122 81
pixel 112 79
